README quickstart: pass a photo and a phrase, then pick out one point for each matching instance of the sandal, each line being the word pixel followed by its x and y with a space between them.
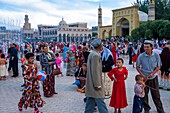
pixel 37 111
pixel 19 108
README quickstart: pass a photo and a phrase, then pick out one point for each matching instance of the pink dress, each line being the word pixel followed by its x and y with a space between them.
pixel 58 61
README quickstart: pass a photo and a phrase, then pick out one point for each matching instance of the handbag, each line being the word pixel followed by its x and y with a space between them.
pixel 55 70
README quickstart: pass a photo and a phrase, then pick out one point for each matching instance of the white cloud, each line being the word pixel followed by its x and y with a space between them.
pixel 45 12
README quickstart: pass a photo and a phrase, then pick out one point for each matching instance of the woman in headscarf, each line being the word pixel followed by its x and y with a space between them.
pixel 47 60
pixel 65 49
pixel 71 66
pixel 107 63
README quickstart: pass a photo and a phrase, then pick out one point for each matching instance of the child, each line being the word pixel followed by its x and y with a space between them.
pixel 58 62
pixel 118 98
pixel 139 94
pixel 31 96
pixel 80 75
pixel 3 70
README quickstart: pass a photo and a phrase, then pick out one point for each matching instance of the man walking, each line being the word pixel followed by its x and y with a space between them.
pixel 148 64
pixel 130 50
pixel 94 86
pixel 14 60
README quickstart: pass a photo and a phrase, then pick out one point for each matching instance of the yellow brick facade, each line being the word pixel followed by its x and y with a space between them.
pixel 125 19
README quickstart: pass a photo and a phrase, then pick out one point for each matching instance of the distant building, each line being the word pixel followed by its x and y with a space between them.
pixel 65 32
pixel 9 35
pixel 2 28
pixel 27 32
pixel 95 31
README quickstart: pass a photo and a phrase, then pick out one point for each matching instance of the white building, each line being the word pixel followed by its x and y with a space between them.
pixel 65 32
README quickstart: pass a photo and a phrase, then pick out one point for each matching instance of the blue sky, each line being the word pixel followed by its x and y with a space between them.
pixel 50 12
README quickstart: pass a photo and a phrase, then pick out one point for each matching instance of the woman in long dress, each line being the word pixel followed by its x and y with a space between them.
pixel 47 60
pixel 71 67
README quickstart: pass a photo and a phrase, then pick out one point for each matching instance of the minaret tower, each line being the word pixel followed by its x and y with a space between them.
pixel 99 16
pixel 99 19
pixel 151 11
pixel 27 25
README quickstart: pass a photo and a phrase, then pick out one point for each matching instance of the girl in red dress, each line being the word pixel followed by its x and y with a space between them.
pixel 118 75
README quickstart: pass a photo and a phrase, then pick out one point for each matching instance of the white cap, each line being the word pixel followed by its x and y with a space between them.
pixel 148 42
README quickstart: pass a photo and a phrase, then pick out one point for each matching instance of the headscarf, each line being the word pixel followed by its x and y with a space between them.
pixel 73 48
pixel 106 53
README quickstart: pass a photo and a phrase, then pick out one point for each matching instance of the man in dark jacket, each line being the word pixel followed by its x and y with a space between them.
pixel 130 50
pixel 14 60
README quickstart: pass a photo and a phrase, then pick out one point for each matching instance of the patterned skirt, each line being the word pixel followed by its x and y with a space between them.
pixel 49 86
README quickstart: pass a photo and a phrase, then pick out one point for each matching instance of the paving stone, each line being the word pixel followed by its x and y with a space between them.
pixel 67 100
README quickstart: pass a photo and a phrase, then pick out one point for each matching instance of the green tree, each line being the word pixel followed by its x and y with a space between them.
pixel 152 29
pixel 142 29
pixel 136 34
pixel 155 26
pixel 165 31
pixel 162 8
pixel 148 34
pixel 143 5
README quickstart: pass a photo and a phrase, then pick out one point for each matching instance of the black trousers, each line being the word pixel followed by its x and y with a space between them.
pixel 130 59
pixel 15 67
pixel 155 95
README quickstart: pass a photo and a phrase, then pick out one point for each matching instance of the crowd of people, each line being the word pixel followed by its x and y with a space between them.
pixel 97 68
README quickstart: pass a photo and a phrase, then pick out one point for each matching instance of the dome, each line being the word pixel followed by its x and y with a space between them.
pixel 143 17
pixel 62 23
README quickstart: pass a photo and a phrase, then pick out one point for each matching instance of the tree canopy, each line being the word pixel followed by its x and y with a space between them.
pixel 162 8
pixel 152 29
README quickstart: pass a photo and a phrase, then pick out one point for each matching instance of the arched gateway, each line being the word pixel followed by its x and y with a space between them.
pixel 124 20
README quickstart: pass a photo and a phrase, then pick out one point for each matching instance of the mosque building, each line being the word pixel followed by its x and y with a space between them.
pixel 124 20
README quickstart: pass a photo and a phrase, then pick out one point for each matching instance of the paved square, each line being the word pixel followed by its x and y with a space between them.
pixel 68 100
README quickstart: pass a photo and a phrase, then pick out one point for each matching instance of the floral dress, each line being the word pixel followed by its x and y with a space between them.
pixel 31 96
